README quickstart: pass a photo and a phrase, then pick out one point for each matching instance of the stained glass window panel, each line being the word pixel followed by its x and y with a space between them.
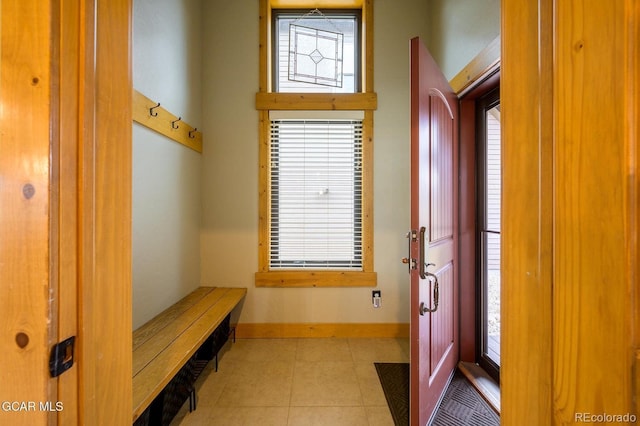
pixel 315 56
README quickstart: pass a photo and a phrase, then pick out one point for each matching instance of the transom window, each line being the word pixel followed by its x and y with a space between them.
pixel 316 52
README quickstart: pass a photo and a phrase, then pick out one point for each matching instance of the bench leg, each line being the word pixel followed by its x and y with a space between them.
pixel 192 400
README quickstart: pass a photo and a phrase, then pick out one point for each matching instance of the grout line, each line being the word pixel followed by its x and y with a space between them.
pixel 293 375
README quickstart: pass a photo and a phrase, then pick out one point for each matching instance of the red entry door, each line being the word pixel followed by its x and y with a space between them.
pixel 433 241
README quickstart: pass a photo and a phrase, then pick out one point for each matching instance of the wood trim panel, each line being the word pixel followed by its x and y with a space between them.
pixel 327 4
pixel 315 279
pixel 316 101
pixel 185 134
pixel 321 330
pixel 367 188
pixel 26 208
pixel 87 405
pixel 632 148
pixel 264 46
pixel 264 194
pixel 526 299
pixel 368 59
pixel 65 254
pixel 570 268
pixel 487 61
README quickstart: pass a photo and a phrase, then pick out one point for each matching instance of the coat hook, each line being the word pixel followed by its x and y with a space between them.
pixel 151 112
pixel 173 123
pixel 191 133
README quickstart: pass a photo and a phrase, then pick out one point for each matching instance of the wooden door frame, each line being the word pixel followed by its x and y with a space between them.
pixel 104 156
pixel 91 151
pixel 485 78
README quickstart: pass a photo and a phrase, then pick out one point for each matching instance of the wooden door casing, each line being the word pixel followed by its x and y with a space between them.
pixel 570 104
pixel 25 208
pixel 65 192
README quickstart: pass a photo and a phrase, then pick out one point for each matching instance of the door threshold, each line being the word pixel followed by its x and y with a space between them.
pixel 480 379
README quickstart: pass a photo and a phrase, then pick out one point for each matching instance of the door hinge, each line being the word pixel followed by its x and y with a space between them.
pixel 61 358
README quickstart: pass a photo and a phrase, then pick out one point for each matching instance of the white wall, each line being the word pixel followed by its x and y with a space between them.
pixel 230 168
pixel 167 67
pixel 460 29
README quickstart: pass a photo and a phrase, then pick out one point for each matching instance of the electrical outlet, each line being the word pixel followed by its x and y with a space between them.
pixel 376 297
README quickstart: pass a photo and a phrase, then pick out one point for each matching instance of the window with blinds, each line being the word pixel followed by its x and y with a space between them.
pixel 316 192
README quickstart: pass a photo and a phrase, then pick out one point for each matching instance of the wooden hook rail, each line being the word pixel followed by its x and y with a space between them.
pixel 150 114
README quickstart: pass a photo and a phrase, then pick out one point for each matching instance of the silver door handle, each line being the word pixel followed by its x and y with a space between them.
pixel 436 293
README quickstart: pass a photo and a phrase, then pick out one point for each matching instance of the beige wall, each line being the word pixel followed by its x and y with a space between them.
pixel 230 168
pixel 459 29
pixel 212 84
pixel 166 175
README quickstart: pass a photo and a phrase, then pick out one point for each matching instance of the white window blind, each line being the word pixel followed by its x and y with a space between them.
pixel 316 192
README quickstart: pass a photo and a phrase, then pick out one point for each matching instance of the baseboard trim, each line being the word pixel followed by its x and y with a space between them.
pixel 308 330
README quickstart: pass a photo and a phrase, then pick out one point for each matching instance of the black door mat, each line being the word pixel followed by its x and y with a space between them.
pixel 461 405
pixel 394 377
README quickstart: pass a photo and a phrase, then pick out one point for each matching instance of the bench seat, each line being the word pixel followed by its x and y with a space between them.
pixel 162 346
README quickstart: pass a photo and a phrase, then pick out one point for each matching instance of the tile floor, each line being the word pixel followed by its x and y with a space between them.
pixel 295 382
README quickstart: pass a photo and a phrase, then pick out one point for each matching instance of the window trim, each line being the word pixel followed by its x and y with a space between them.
pixel 266 100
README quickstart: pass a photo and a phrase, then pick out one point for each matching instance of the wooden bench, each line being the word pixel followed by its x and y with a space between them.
pixel 162 346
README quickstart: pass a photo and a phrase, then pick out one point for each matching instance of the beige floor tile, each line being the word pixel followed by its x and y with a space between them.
pixel 297 382
pixel 379 416
pixel 262 350
pixel 406 347
pixel 199 417
pixel 258 384
pixel 328 416
pixel 370 387
pixel 379 350
pixel 327 383
pixel 323 350
pixel 249 416
pixel 211 383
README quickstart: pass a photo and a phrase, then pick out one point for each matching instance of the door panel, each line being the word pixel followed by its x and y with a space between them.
pixel 442 321
pixel 434 331
pixel 441 165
